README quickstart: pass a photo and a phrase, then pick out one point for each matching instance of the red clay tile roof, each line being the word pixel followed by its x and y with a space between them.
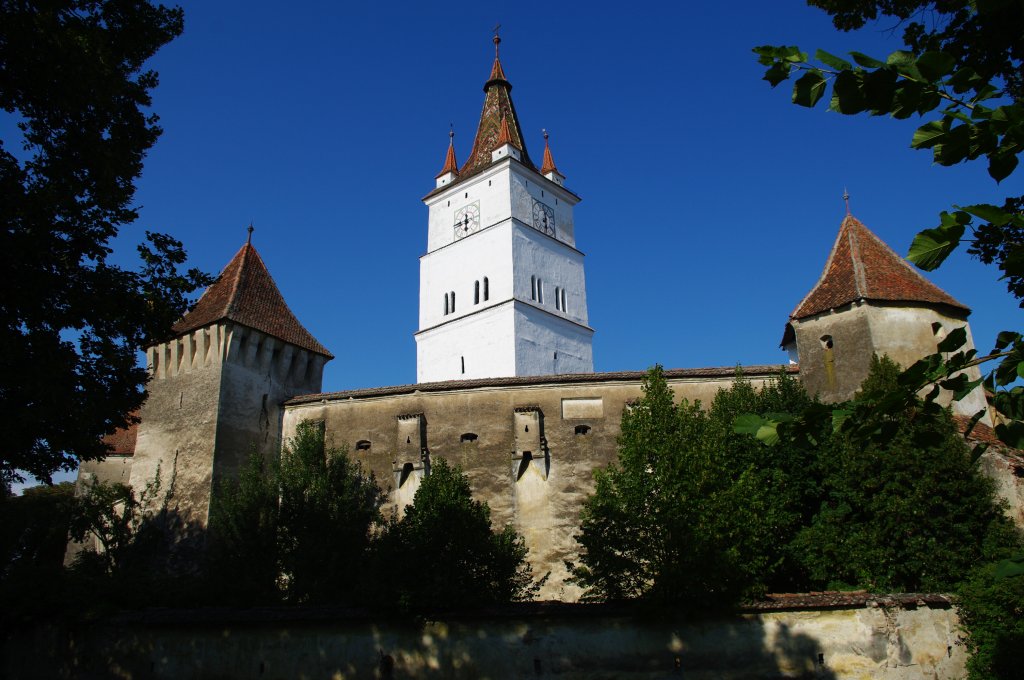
pixel 862 267
pixel 498 111
pixel 450 164
pixel 549 162
pixel 122 441
pixel 504 135
pixel 557 379
pixel 245 293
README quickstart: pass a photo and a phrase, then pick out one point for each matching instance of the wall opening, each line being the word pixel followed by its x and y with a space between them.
pixel 467 437
pixel 476 292
pixel 533 287
pixel 558 298
pixel 363 445
pixel 487 289
pixel 582 430
pixel 453 302
pixel 463 364
pixel 563 300
pixel 446 304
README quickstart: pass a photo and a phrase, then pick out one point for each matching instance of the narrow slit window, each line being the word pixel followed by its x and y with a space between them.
pixel 540 291
pixel 476 292
pixel 533 287
pixel 463 364
pixel 487 289
pixel 563 300
pixel 453 302
pixel 446 304
pixel 558 298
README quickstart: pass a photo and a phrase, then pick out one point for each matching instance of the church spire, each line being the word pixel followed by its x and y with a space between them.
pixel 548 168
pixel 499 124
pixel 451 167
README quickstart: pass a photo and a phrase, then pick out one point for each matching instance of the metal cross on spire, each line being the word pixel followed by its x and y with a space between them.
pixel 846 199
pixel 497 39
pixel 248 240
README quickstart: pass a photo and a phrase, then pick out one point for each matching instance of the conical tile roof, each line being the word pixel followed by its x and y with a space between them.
pixel 246 294
pixel 497 113
pixel 862 267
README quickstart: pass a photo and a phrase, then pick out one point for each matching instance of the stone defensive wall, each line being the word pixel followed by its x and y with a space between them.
pixel 822 635
pixel 529 445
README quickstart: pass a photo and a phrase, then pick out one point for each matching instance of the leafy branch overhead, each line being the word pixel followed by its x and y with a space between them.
pixel 962 72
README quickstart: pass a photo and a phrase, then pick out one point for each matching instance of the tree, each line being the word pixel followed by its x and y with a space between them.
pixel 299 530
pixel 692 514
pixel 71 321
pixel 967 66
pixel 908 511
pixel 991 609
pixel 443 554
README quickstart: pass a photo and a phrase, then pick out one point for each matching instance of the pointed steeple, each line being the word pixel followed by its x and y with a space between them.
pixel 549 162
pixel 499 123
pixel 246 294
pixel 862 267
pixel 451 167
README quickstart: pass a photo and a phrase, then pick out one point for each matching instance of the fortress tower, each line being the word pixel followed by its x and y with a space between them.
pixel 502 289
pixel 216 388
pixel 868 301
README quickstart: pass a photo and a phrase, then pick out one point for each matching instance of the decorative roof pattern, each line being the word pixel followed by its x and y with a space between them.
pixel 450 164
pixel 246 293
pixel 498 112
pixel 862 267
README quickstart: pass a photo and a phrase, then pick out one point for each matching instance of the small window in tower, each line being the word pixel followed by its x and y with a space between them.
pixel 476 293
pixel 488 182
pixel 542 193
pixel 563 300
pixel 556 201
pixel 463 365
pixel 453 302
pixel 533 287
pixel 363 445
pixel 449 204
pixel 540 291
pixel 446 304
pixel 558 297
pixel 487 289
pixel 467 194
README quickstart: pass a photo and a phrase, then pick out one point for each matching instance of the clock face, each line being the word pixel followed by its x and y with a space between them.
pixel 543 218
pixel 467 219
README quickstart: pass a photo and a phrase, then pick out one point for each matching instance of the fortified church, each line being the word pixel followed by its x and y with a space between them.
pixel 505 381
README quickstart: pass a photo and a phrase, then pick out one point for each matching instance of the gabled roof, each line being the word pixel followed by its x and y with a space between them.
pixel 498 111
pixel 862 267
pixel 246 294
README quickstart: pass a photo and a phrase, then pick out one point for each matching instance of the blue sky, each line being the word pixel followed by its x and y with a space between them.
pixel 709 201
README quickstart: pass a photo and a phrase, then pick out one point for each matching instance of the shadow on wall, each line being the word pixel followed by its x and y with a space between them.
pixel 518 642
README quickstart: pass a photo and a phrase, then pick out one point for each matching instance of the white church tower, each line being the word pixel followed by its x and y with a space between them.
pixel 502 290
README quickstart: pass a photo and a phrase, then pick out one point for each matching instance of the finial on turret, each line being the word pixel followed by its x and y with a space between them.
pixel 548 168
pixel 497 39
pixel 248 240
pixel 846 199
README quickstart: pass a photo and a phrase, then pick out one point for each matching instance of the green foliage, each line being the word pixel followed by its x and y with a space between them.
pixel 243 562
pixel 693 514
pixel 71 322
pixel 966 66
pixel 991 612
pixel 298 531
pixel 443 555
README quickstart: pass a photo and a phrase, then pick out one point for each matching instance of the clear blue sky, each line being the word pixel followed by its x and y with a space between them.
pixel 709 201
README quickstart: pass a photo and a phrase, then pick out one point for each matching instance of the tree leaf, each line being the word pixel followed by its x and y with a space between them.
pixel 832 60
pixel 777 73
pixel 956 339
pixel 929 134
pixel 988 212
pixel 932 246
pixel 866 61
pixel 809 88
pixel 1001 165
pixel 935 65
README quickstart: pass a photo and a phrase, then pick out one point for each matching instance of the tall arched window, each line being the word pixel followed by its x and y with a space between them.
pixel 476 293
pixel 540 291
pixel 487 289
pixel 453 302
pixel 563 300
pixel 446 304
pixel 533 287
pixel 558 298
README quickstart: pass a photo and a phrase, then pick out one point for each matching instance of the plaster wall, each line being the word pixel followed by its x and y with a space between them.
pixel 213 395
pixel 490 188
pixel 883 642
pixel 528 186
pixel 579 424
pixel 480 345
pixel 538 255
pixel 550 345
pixel 903 332
pixel 1007 473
